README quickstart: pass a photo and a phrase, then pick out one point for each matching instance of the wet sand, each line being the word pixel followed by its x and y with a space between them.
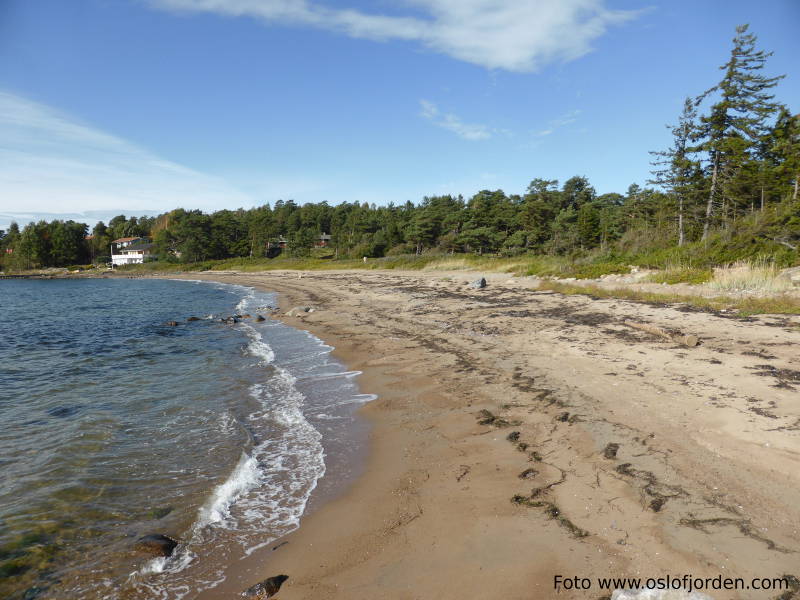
pixel 492 465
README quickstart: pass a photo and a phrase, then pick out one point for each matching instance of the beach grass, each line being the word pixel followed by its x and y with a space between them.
pixel 759 275
pixel 781 304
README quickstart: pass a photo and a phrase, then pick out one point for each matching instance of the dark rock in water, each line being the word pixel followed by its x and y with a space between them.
pixel 610 451
pixel 230 320
pixel 265 589
pixel 245 316
pixel 157 544
pixel 478 284
pixel 259 318
pixel 64 411
pixel 160 513
pixel 193 319
pixel 15 566
pixel 171 323
pixel 33 592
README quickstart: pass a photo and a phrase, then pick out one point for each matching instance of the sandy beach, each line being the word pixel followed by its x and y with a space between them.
pixel 522 435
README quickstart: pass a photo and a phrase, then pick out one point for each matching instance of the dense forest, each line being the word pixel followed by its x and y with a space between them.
pixel 729 178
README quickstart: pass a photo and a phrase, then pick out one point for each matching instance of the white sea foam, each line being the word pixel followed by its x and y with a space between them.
pixel 271 485
pixel 155 565
pixel 243 478
pixel 258 347
pixel 249 295
pixel 324 376
pixel 326 417
pixel 357 399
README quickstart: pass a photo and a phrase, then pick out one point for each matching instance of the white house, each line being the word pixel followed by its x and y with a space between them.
pixel 130 251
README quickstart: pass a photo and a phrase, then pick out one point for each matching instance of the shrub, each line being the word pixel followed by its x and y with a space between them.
pixel 678 272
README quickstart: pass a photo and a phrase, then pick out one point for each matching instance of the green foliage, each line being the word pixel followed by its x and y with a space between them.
pixel 42 245
pixel 678 274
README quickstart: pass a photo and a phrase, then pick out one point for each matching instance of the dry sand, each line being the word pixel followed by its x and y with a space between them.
pixel 705 480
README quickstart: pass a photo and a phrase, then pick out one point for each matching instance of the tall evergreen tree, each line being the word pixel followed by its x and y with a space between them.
pixel 740 116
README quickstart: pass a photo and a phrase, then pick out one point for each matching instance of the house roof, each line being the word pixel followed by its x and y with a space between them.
pixel 136 247
pixel 126 239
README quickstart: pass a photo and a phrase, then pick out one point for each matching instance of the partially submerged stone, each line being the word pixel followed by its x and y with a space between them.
pixel 157 544
pixel 266 589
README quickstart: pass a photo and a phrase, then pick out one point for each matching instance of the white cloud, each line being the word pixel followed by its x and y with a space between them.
pixel 558 123
pixel 468 131
pixel 515 35
pixel 51 163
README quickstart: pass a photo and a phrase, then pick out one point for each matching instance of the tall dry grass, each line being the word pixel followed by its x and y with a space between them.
pixel 760 275
pixel 782 304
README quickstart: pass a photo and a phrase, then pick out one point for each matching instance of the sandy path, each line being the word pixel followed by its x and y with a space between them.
pixel 705 480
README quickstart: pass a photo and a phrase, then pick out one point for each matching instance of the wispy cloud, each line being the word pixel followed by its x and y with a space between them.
pixel 451 122
pixel 52 163
pixel 515 35
pixel 558 123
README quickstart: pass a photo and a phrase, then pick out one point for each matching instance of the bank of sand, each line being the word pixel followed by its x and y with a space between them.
pixel 705 480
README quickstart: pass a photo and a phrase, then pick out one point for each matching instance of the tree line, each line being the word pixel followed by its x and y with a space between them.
pixel 735 153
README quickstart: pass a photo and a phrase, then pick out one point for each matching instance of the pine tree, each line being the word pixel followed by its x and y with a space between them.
pixel 676 170
pixel 739 119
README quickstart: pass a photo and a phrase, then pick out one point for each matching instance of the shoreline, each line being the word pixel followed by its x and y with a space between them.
pixel 432 514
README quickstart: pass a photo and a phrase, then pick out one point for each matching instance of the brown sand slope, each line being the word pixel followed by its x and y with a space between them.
pixel 490 468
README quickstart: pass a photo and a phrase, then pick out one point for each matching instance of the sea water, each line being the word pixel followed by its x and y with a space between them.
pixel 117 425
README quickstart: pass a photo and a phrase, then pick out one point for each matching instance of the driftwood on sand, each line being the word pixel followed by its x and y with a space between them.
pixel 687 340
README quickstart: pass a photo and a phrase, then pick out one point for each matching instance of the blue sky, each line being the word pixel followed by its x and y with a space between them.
pixel 111 106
